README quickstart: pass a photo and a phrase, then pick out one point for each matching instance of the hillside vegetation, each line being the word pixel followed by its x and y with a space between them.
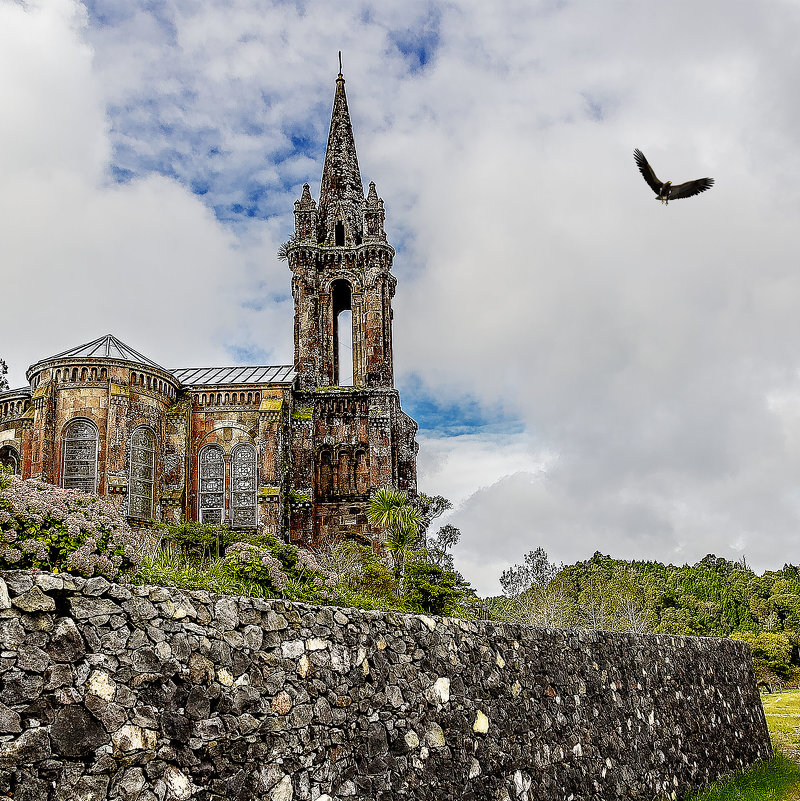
pixel 715 597
pixel 43 527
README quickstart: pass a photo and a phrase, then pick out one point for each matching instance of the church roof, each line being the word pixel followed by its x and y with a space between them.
pixel 106 347
pixel 341 194
pixel 203 376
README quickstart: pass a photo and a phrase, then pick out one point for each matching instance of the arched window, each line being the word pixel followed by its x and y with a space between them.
pixel 9 457
pixel 142 474
pixel 325 483
pixel 343 486
pixel 212 485
pixel 341 296
pixel 362 473
pixel 80 456
pixel 244 483
pixel 338 233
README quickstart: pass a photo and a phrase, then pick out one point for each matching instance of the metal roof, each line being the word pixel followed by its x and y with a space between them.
pixel 194 376
pixel 107 347
pixel 19 391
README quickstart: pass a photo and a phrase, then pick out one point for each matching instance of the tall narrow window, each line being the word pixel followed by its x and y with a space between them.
pixel 244 511
pixel 142 471
pixel 362 473
pixel 212 484
pixel 80 456
pixel 341 296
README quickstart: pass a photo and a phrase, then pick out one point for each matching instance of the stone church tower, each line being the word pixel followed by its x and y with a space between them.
pixel 341 262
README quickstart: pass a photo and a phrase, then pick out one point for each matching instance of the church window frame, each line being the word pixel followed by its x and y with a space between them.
pixel 10 457
pixel 244 487
pixel 80 452
pixel 211 485
pixel 142 473
pixel 341 292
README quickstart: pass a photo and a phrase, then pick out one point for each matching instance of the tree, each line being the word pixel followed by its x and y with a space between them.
pixel 536 571
pixel 3 374
pixel 533 594
pixel 433 590
pixel 430 507
pixel 438 547
pixel 391 511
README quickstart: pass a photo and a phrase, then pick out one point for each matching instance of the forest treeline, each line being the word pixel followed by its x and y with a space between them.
pixel 715 597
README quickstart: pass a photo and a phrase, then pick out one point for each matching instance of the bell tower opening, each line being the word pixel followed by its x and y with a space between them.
pixel 338 233
pixel 342 298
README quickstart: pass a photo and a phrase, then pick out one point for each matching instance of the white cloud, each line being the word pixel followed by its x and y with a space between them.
pixel 650 354
pixel 81 256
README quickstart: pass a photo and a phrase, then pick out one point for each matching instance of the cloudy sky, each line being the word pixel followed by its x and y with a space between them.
pixel 590 370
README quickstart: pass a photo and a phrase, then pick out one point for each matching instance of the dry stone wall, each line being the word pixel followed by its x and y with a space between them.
pixel 152 694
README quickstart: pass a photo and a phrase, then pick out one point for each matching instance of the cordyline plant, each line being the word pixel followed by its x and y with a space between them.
pixel 46 527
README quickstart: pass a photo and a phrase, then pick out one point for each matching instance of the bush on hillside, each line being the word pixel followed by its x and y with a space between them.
pixel 46 527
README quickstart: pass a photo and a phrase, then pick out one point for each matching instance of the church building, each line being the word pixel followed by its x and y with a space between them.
pixel 296 450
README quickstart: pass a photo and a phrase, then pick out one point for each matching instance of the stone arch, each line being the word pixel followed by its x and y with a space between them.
pixel 343 338
pixel 211 478
pixel 9 457
pixel 362 472
pixel 141 473
pixel 343 473
pixel 325 475
pixel 79 464
pixel 244 486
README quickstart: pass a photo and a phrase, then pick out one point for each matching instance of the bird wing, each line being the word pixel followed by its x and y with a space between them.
pixel 691 188
pixel 647 171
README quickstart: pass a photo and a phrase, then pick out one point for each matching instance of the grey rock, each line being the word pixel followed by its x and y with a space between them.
pixel 76 733
pixel 34 600
pixel 96 585
pixel 83 607
pixel 9 720
pixel 33 745
pixel 12 634
pixel 18 581
pixel 32 659
pixel 66 644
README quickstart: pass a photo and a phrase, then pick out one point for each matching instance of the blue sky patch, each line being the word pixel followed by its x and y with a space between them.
pixel 419 41
pixel 448 417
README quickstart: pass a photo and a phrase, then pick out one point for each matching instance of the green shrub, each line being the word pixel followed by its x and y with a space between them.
pixel 46 527
pixel 197 539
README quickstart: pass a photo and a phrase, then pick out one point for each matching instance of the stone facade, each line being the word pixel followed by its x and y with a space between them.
pixel 154 694
pixel 296 450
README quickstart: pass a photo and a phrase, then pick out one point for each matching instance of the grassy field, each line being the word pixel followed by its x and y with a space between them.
pixel 778 779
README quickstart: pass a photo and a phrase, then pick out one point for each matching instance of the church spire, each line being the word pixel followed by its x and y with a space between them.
pixel 341 197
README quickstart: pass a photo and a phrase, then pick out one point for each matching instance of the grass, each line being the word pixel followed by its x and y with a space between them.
pixel 779 778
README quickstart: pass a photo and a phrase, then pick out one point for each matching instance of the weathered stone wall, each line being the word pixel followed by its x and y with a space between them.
pixel 155 694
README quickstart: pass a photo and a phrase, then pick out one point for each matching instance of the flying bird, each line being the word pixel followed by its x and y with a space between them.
pixel 665 191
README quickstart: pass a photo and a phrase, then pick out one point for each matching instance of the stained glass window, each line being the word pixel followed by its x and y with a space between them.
pixel 80 456
pixel 244 511
pixel 212 484
pixel 140 486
